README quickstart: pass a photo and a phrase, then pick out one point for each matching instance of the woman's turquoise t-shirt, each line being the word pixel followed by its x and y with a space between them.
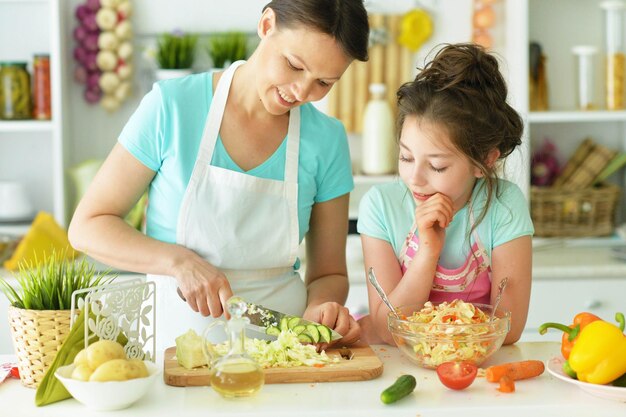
pixel 165 132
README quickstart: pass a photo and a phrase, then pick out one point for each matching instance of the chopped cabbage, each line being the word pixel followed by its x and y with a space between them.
pixel 189 350
pixel 284 352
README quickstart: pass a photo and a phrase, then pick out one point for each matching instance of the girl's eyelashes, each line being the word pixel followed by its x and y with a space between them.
pixel 405 159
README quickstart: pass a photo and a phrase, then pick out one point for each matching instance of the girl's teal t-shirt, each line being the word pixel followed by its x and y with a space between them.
pixel 387 212
pixel 165 132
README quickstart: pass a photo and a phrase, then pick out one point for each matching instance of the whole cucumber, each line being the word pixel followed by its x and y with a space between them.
pixel 403 386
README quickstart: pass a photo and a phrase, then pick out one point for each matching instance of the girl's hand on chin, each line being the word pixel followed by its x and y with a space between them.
pixel 433 216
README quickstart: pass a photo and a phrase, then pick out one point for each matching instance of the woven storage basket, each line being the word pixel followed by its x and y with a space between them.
pixel 37 337
pixel 574 213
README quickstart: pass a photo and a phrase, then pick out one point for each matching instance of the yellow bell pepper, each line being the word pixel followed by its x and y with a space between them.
pixel 599 355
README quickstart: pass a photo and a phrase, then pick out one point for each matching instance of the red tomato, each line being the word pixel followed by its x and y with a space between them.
pixel 457 375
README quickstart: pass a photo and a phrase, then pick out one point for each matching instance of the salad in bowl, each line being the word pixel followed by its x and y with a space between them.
pixel 434 333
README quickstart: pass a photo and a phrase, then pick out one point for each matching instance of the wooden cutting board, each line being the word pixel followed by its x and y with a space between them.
pixel 364 365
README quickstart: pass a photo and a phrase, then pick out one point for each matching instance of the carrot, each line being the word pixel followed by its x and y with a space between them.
pixel 507 384
pixel 515 370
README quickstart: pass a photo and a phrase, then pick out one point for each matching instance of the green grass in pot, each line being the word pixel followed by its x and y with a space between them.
pixel 176 50
pixel 49 285
pixel 226 48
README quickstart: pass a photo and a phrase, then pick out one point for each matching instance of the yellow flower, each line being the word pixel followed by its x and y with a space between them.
pixel 415 28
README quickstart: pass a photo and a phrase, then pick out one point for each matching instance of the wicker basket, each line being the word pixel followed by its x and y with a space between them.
pixel 574 213
pixel 37 337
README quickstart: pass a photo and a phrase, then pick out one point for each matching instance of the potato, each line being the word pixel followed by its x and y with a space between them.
pixel 113 370
pixel 81 358
pixel 139 369
pixel 82 372
pixel 103 351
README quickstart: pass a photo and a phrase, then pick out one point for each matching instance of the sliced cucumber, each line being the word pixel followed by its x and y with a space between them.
pixel 325 334
pixel 311 329
pixel 299 329
pixel 284 324
pixel 273 330
pixel 305 338
pixel 293 322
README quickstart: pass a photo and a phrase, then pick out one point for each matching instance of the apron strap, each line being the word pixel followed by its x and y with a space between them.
pixel 214 122
pixel 293 147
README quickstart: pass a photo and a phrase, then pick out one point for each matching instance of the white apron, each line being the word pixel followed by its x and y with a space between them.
pixel 244 225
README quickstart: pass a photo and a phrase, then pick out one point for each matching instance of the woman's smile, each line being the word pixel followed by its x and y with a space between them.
pixel 285 99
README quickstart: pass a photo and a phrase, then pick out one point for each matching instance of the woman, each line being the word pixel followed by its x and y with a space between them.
pixel 240 167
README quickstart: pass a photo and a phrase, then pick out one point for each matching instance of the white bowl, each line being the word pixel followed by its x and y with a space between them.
pixel 110 395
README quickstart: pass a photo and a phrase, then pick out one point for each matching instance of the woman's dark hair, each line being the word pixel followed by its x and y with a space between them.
pixel 463 91
pixel 344 20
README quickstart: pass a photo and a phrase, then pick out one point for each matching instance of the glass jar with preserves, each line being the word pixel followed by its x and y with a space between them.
pixel 42 106
pixel 15 100
pixel 615 54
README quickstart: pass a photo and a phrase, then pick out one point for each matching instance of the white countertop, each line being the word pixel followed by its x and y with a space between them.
pixel 541 396
pixel 577 262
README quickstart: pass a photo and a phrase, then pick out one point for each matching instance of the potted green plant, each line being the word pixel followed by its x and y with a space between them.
pixel 39 311
pixel 175 54
pixel 226 48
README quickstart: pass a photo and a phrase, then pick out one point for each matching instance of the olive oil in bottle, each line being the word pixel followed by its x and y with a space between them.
pixel 237 379
pixel 236 374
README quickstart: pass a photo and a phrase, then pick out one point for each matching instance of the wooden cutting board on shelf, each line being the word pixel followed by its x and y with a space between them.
pixel 356 363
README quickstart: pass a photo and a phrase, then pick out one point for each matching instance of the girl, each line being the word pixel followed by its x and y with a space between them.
pixel 240 167
pixel 450 228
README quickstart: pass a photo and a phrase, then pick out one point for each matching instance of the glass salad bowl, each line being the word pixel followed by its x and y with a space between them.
pixel 431 334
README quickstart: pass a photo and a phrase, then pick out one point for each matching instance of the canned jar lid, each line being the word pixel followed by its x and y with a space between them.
pixel 42 55
pixel 13 64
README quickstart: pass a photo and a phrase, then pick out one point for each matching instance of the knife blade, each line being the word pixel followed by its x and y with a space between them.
pixel 272 322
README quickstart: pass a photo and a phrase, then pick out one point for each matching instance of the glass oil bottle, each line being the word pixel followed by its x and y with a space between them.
pixel 236 374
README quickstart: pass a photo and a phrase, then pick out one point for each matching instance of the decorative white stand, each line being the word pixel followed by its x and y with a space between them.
pixel 127 307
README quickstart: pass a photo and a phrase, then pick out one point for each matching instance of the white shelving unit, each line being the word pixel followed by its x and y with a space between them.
pixel 559 25
pixel 32 151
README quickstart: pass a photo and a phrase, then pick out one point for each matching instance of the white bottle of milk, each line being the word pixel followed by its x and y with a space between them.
pixel 379 148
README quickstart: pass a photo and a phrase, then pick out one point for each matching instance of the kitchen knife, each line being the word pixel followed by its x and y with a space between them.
pixel 272 322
